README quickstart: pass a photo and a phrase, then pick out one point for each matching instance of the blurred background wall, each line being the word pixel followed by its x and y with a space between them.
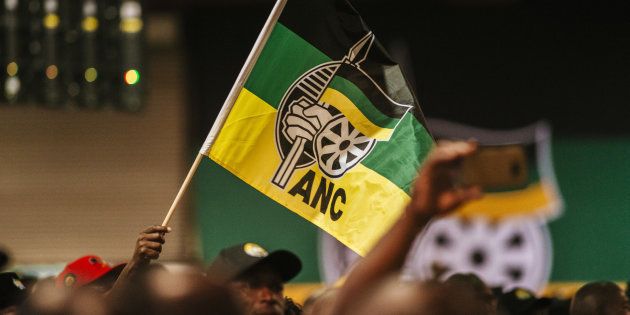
pixel 79 178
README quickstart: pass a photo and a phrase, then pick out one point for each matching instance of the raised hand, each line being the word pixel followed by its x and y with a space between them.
pixel 436 191
pixel 148 247
pixel 149 243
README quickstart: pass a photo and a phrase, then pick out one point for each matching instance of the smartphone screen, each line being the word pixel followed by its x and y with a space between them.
pixel 496 167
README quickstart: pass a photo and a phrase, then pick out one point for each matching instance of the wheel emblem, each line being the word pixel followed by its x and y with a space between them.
pixel 339 146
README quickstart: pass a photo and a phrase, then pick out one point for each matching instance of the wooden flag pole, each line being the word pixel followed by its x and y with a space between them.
pixel 230 100
pixel 183 188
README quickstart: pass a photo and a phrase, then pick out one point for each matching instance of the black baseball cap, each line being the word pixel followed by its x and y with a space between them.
pixel 12 290
pixel 236 260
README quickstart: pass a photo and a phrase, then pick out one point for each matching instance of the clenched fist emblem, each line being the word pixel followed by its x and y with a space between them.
pixel 305 119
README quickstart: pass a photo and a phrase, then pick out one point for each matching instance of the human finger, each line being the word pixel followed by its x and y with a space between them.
pixel 156 246
pixel 452 151
pixel 157 228
pixel 454 198
pixel 149 253
pixel 154 237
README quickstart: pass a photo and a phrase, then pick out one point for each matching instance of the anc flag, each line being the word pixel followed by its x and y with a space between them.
pixel 326 124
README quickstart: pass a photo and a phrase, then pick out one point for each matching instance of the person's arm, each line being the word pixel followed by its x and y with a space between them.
pixel 148 247
pixel 434 194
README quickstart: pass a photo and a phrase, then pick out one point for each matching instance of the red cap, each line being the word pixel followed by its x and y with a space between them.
pixel 86 270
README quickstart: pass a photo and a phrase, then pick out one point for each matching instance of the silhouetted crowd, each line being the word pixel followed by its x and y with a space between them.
pixel 248 279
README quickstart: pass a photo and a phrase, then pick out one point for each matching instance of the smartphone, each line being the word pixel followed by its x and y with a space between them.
pixel 495 167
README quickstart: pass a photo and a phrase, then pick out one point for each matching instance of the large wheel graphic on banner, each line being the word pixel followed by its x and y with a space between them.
pixel 509 253
pixel 339 146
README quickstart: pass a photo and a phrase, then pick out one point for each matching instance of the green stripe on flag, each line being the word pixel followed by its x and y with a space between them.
pixel 364 104
pixel 411 141
pixel 284 59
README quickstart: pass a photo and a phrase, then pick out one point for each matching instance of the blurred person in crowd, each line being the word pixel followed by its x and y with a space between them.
pixel 12 293
pixel 29 281
pixel 320 301
pixel 435 193
pixel 257 275
pixel 520 301
pixel 395 297
pixel 600 298
pixel 49 299
pixel 559 306
pixel 482 292
pixel 291 308
pixel 157 291
pixel 46 299
pixel 87 302
pixel 91 271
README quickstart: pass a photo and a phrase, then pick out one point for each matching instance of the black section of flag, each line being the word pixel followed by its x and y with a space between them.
pixel 376 97
pixel 333 26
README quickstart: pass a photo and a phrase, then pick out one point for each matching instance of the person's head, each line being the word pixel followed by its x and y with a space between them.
pixel 258 276
pixel 602 298
pixel 46 299
pixel 162 292
pixel 475 285
pixel 90 270
pixel 392 296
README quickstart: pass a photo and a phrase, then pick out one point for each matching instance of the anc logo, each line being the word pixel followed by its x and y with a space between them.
pixel 69 280
pixel 333 115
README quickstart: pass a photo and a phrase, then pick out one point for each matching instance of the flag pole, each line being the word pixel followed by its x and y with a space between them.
pixel 183 188
pixel 229 101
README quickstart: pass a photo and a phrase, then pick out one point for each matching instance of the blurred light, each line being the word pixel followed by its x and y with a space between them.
pixel 89 8
pixel 132 76
pixel 51 21
pixel 12 69
pixel 90 74
pixel 89 24
pixel 10 5
pixel 130 9
pixel 130 17
pixel 51 5
pixel 11 86
pixel 133 25
pixel 52 72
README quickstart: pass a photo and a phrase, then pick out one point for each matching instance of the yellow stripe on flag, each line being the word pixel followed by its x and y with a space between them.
pixel 354 115
pixel 246 147
pixel 536 200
